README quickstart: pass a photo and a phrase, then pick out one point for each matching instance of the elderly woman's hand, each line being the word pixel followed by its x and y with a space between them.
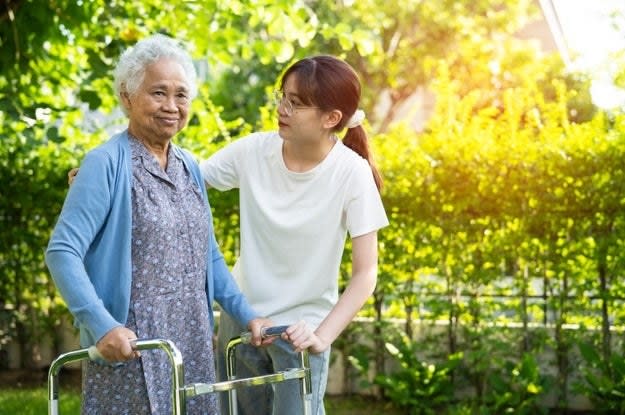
pixel 115 346
pixel 255 326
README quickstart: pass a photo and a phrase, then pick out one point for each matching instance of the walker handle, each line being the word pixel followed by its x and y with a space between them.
pixel 265 332
pixel 96 356
pixel 175 359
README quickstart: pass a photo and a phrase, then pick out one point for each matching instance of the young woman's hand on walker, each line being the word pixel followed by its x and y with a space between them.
pixel 303 337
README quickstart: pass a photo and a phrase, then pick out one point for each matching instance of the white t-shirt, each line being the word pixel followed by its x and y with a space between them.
pixel 294 225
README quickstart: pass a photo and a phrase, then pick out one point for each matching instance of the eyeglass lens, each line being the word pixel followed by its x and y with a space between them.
pixel 286 103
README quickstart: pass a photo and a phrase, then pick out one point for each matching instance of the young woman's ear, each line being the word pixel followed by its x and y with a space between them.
pixel 332 118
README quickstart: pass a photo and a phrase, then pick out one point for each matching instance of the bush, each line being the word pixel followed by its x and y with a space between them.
pixel 419 386
pixel 603 381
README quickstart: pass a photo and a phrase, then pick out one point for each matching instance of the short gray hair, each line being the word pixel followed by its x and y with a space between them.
pixel 130 69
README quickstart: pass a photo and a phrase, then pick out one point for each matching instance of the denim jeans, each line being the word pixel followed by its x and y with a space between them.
pixel 282 398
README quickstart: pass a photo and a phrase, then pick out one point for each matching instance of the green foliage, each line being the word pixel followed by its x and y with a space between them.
pixel 419 386
pixel 517 388
pixel 603 381
pixel 506 209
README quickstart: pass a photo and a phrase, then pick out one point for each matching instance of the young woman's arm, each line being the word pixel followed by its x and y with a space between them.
pixel 360 287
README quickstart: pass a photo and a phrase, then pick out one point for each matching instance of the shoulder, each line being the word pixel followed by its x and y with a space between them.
pixel 108 162
pixel 114 148
pixel 351 160
pixel 112 152
pixel 261 139
pixel 251 146
pixel 356 170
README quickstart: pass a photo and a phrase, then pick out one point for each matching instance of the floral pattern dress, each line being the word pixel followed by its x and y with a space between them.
pixel 170 234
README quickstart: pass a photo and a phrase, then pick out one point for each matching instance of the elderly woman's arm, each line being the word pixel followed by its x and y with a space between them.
pixel 84 212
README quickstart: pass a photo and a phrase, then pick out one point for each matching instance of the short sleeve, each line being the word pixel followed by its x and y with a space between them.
pixel 364 211
pixel 222 169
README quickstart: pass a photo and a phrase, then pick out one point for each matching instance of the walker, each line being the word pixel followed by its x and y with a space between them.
pixel 180 391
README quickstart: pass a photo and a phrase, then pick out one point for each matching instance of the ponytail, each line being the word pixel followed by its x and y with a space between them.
pixel 356 139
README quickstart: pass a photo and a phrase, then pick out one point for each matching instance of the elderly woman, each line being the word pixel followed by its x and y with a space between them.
pixel 134 254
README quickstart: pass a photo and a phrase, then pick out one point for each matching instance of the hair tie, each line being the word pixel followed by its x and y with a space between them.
pixel 356 119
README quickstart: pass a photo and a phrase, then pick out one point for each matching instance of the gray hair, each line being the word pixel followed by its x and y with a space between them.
pixel 130 69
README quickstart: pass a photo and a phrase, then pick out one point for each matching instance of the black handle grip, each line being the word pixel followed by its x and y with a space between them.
pixel 265 333
pixel 274 331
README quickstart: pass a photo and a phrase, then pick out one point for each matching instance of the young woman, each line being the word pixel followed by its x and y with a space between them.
pixel 302 190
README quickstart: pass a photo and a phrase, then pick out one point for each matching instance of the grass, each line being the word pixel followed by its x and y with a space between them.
pixel 34 401
pixel 358 405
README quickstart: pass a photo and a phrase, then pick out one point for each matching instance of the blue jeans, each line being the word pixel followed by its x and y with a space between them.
pixel 282 398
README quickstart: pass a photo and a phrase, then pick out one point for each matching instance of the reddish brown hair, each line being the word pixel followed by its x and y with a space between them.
pixel 331 84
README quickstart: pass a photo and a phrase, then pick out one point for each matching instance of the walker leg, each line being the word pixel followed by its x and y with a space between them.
pixel 304 374
pixel 231 373
pixel 175 359
pixel 306 384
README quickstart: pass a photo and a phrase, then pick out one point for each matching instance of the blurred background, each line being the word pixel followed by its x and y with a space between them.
pixel 498 127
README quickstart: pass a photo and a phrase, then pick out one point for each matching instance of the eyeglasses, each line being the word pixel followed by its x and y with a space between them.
pixel 289 107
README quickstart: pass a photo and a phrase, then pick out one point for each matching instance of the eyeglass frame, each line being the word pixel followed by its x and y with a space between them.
pixel 280 99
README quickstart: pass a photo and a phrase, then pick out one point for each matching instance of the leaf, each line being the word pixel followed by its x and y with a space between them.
pixel 91 97
pixel 285 52
pixel 392 349
pixel 365 43
pixel 589 353
pixel 53 135
pixel 533 389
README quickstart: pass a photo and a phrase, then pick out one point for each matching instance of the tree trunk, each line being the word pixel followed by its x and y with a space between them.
pixel 562 345
pixel 347 372
pixel 409 305
pixel 451 327
pixel 378 340
pixel 524 315
pixel 21 333
pixel 602 269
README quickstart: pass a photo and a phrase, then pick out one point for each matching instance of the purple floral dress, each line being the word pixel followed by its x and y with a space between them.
pixel 170 234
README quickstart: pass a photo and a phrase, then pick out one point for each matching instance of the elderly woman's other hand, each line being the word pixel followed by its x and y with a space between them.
pixel 116 345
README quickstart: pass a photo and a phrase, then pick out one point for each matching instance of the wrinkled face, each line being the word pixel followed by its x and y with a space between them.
pixel 160 106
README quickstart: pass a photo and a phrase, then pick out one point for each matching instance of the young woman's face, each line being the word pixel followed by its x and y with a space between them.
pixel 160 107
pixel 305 122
